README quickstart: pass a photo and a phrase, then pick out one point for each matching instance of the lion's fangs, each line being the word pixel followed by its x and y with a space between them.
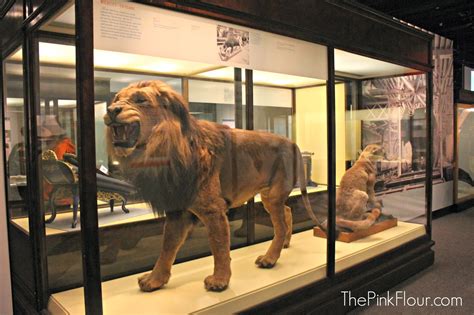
pixel 125 135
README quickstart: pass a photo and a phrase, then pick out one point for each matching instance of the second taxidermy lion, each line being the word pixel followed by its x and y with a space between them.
pixel 194 169
pixel 356 193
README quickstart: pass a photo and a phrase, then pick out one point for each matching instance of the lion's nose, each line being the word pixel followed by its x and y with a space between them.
pixel 113 111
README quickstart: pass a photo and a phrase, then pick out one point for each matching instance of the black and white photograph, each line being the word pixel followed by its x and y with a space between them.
pixel 233 44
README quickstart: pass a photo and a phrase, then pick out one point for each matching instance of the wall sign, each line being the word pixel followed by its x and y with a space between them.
pixel 144 30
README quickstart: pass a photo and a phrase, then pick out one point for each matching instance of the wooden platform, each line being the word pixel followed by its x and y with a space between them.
pixel 348 237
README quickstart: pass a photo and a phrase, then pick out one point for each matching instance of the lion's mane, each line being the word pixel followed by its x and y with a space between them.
pixel 178 155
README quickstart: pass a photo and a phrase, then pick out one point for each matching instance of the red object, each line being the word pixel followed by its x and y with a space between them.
pixel 63 145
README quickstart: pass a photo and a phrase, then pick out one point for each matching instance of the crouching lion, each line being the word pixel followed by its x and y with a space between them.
pixel 357 208
pixel 193 169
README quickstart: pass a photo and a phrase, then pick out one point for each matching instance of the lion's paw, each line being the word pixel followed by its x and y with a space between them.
pixel 265 261
pixel 217 284
pixel 147 283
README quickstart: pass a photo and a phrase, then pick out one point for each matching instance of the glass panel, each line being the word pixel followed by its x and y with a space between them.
pixel 17 181
pixel 295 108
pixel 57 140
pixel 136 229
pixel 177 172
pixel 465 171
pixel 57 136
pixel 14 135
pixel 381 157
pixel 222 102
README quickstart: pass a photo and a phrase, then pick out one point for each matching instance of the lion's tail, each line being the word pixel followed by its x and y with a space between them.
pixel 304 192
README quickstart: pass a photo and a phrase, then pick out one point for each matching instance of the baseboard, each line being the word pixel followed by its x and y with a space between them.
pixel 378 275
pixel 464 205
pixel 444 211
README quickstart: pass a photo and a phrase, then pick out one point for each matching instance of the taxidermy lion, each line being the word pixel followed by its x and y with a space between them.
pixel 193 169
pixel 357 208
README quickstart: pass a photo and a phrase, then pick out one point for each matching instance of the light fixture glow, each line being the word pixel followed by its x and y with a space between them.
pixel 262 77
pixel 65 55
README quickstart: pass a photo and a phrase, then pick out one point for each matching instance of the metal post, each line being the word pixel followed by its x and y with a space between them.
pixel 35 213
pixel 238 97
pixel 86 150
pixel 249 125
pixel 429 151
pixel 331 142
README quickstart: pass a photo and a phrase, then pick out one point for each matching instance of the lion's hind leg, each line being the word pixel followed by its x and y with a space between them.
pixel 276 209
pixel 358 218
pixel 367 221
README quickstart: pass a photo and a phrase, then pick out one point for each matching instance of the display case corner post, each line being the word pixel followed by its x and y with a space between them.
pixel 331 158
pixel 249 125
pixel 429 153
pixel 6 217
pixel 35 215
pixel 87 165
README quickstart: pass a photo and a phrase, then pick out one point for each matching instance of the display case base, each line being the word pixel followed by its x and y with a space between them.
pixel 348 237
pixel 302 264
pixel 375 275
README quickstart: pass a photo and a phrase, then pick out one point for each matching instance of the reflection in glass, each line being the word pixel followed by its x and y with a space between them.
pixel 17 170
pixel 465 171
pixel 15 137
pixel 381 162
pixel 294 108
pixel 392 115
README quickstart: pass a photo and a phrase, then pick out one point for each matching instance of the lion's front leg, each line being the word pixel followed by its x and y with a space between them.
pixel 372 202
pixel 218 230
pixel 358 204
pixel 177 227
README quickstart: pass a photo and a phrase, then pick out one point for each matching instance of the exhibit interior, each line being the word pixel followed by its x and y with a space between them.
pixel 148 140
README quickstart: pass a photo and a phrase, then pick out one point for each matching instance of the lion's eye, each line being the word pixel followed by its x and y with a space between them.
pixel 141 100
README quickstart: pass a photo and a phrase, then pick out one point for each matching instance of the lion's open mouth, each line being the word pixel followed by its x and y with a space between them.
pixel 125 135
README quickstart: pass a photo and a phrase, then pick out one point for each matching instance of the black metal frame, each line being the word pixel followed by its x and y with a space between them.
pixel 5 7
pixel 331 160
pixel 85 96
pixel 429 153
pixel 36 217
pixel 87 165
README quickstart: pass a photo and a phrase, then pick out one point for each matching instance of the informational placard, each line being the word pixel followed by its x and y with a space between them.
pixel 145 30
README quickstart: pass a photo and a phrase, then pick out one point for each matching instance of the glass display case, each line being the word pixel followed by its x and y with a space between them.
pixel 148 140
pixel 465 154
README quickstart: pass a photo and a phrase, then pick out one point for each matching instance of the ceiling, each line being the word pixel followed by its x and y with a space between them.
pixel 453 19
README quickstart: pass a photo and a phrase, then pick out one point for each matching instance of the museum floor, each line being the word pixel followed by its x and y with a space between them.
pixel 450 276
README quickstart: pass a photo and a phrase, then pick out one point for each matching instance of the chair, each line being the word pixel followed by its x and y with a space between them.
pixel 64 182
pixel 63 177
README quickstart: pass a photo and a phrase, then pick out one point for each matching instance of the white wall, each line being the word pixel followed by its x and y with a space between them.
pixel 203 91
pixel 311 129
pixel 5 291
